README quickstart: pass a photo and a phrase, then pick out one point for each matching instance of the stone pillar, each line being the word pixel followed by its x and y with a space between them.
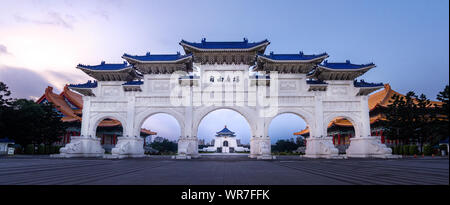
pixel 86 145
pixel 318 145
pixel 131 144
pixel 366 145
pixel 187 147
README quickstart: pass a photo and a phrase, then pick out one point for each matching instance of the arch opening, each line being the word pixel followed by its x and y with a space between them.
pixel 224 131
pixel 160 132
pixel 108 130
pixel 341 129
pixel 287 132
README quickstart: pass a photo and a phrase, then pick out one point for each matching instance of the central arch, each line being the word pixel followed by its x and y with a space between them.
pixel 201 113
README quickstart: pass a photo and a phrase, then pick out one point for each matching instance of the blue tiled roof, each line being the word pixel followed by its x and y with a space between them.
pixel 189 77
pixel 6 140
pixel 159 57
pixel 225 131
pixel 134 82
pixel 105 66
pixel 260 76
pixel 299 56
pixel 224 44
pixel 362 83
pixel 315 82
pixel 88 84
pixel 346 65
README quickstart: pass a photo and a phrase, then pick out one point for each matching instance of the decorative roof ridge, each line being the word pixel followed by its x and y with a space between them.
pixel 363 83
pixel 347 62
pixel 88 84
pixel 103 63
pixel 245 40
pixel 134 82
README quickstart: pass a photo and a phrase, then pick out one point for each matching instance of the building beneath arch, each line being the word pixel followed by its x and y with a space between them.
pixel 237 75
pixel 225 142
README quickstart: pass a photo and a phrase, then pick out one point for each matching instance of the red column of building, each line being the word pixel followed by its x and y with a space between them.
pixel 339 139
pixel 114 139
pixel 334 139
pixel 382 137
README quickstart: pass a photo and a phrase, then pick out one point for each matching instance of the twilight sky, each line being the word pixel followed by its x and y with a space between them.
pixel 41 42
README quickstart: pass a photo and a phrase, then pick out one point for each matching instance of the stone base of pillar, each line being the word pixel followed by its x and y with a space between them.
pixel 368 147
pixel 260 148
pixel 81 146
pixel 132 147
pixel 187 148
pixel 254 147
pixel 321 147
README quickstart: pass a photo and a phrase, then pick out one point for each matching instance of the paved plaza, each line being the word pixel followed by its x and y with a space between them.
pixel 219 170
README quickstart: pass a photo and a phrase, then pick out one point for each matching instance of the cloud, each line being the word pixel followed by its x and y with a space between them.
pixel 23 83
pixel 4 50
pixel 51 18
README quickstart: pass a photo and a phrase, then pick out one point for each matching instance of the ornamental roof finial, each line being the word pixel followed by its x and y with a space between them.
pixel 203 40
pixel 148 53
pixel 245 40
pixel 347 61
pixel 271 53
pixel 178 52
pixel 102 63
pixel 225 126
pixel 301 53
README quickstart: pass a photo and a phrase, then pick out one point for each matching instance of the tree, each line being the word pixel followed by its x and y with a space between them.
pixel 4 95
pixel 31 123
pixel 424 117
pixel 400 114
pixel 164 146
pixel 442 114
pixel 285 146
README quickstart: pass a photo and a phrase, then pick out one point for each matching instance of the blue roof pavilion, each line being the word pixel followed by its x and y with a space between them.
pixel 225 132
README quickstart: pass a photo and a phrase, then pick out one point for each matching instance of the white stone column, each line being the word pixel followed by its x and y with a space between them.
pixel 130 144
pixel 318 145
pixel 366 145
pixel 86 145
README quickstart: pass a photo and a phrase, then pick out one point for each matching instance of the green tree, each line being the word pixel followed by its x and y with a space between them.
pixel 285 146
pixel 400 117
pixel 442 114
pixel 165 146
pixel 31 123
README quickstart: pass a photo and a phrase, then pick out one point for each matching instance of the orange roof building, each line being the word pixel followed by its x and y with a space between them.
pixel 69 105
pixel 377 102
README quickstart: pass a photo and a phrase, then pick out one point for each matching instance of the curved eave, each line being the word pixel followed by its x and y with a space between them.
pixel 128 58
pixel 265 44
pixel 84 91
pixel 321 58
pixel 347 70
pixel 95 70
pixel 368 90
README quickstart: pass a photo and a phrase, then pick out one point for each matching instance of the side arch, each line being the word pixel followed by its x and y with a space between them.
pixel 305 115
pixel 141 117
pixel 354 118
pixel 97 118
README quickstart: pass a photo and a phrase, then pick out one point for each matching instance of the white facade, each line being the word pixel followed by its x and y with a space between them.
pixel 189 101
pixel 225 143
